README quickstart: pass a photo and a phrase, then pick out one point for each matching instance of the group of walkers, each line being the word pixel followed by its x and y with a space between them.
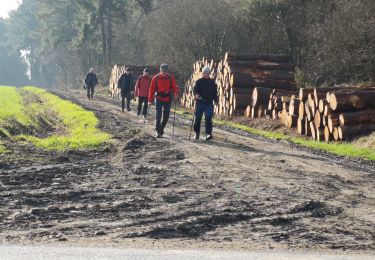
pixel 161 90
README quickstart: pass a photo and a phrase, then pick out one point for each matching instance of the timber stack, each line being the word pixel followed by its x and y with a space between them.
pixel 330 114
pixel 338 113
pixel 237 75
pixel 137 70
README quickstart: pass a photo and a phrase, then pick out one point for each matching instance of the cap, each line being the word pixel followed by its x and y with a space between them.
pixel 206 70
pixel 164 67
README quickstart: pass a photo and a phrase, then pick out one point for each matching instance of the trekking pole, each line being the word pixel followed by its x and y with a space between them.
pixel 148 110
pixel 192 122
pixel 174 117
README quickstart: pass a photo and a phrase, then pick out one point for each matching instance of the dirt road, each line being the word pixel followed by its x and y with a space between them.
pixel 238 191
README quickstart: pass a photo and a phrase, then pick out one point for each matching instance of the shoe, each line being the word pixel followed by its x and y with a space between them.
pixel 92 97
pixel 129 109
pixel 157 134
pixel 138 114
pixel 208 137
pixel 161 132
pixel 196 137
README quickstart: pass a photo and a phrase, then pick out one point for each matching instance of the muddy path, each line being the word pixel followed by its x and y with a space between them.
pixel 238 191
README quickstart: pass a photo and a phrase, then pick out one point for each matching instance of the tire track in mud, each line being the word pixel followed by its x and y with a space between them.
pixel 239 189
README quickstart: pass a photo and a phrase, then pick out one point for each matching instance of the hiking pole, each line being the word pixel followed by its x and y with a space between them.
pixel 148 110
pixel 174 117
pixel 192 122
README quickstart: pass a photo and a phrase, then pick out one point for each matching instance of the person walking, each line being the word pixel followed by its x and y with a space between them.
pixel 90 83
pixel 164 87
pixel 142 89
pixel 205 93
pixel 125 83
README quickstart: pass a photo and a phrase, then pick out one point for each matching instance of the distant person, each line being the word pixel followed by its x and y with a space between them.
pixel 90 82
pixel 142 89
pixel 205 93
pixel 125 83
pixel 164 87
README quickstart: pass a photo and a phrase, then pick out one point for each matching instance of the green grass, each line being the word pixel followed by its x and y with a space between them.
pixel 11 106
pixel 77 128
pixel 2 149
pixel 341 149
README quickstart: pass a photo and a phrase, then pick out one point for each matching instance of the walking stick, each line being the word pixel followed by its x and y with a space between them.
pixel 192 122
pixel 174 116
pixel 148 110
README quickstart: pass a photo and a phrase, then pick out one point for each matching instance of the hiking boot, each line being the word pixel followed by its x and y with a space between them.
pixel 196 137
pixel 157 134
pixel 208 137
pixel 162 132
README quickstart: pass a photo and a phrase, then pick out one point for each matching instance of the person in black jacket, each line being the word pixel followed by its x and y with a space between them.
pixel 205 92
pixel 125 83
pixel 90 82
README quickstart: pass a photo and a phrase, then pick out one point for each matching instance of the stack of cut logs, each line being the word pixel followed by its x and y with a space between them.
pixel 337 113
pixel 137 70
pixel 237 76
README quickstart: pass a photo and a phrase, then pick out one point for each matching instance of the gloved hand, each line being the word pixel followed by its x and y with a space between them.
pixel 197 97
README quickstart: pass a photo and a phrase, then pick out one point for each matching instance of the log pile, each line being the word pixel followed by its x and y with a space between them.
pixel 137 70
pixel 237 75
pixel 330 114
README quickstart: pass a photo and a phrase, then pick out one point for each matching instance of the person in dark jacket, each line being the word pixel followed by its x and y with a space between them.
pixel 142 89
pixel 205 93
pixel 125 83
pixel 90 83
pixel 165 88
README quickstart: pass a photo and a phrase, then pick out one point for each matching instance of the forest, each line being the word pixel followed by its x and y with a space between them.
pixel 53 43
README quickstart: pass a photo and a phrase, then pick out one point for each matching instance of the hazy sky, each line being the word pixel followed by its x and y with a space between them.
pixel 8 5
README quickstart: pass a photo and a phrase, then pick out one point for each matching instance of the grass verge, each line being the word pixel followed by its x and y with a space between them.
pixel 2 149
pixel 69 125
pixel 337 148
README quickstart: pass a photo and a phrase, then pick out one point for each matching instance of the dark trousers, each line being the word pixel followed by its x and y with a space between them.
pixel 208 111
pixel 125 98
pixel 163 110
pixel 142 101
pixel 90 91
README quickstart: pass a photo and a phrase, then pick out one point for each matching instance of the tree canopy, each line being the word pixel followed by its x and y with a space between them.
pixel 329 41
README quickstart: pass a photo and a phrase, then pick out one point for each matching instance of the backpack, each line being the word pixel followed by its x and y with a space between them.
pixel 165 94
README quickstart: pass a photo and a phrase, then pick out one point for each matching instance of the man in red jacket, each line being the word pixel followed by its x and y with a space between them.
pixel 164 87
pixel 142 89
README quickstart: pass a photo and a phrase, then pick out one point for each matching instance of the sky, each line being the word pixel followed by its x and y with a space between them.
pixel 8 5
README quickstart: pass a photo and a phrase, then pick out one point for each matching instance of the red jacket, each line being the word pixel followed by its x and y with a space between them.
pixel 142 87
pixel 165 85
